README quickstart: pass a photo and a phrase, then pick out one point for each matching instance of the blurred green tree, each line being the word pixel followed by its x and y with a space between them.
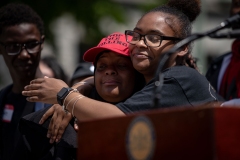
pixel 88 12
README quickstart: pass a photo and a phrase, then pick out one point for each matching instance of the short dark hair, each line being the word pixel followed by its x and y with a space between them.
pixel 17 13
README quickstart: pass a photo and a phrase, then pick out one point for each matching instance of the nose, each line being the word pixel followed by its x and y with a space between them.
pixel 111 71
pixel 23 53
pixel 141 43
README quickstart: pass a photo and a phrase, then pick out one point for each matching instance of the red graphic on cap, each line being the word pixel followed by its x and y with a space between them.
pixel 115 42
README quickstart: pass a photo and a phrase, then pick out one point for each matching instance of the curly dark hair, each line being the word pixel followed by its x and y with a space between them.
pixel 181 13
pixel 17 13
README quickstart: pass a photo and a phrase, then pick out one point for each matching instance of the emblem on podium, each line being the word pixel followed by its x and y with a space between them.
pixel 140 139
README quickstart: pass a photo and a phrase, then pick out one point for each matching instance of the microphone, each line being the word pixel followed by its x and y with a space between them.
pixel 230 34
pixel 231 20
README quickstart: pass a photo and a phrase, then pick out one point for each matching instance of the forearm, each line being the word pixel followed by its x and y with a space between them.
pixel 84 108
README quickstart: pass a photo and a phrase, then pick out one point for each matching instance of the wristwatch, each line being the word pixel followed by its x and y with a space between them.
pixel 62 94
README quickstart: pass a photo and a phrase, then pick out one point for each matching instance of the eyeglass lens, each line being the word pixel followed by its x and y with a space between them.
pixel 31 47
pixel 149 40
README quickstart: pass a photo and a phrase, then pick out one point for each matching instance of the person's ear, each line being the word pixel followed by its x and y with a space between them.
pixel 42 39
pixel 183 51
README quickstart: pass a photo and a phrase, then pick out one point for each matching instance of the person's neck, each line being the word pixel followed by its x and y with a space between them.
pixel 19 84
pixel 148 78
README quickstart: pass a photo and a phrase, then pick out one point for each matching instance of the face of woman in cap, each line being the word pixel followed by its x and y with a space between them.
pixel 114 77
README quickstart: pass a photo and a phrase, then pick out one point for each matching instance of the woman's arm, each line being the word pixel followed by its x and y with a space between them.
pixel 84 108
pixel 46 89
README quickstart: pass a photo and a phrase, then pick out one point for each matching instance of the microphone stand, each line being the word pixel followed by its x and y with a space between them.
pixel 164 57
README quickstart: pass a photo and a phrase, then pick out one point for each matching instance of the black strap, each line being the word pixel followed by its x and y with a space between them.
pixel 29 108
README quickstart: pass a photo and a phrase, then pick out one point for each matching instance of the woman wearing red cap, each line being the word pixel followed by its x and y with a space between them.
pixel 115 78
pixel 156 32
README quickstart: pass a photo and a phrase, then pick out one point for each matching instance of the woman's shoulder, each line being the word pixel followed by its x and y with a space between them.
pixel 183 72
pixel 191 83
pixel 186 78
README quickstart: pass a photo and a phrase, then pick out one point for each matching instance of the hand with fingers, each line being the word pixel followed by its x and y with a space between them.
pixel 43 90
pixel 58 123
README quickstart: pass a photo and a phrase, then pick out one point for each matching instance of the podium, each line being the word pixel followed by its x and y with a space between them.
pixel 186 133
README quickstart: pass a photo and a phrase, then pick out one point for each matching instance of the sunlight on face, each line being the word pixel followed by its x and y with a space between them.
pixel 114 77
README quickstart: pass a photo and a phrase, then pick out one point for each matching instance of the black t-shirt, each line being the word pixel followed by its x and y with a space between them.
pixel 183 86
pixel 11 136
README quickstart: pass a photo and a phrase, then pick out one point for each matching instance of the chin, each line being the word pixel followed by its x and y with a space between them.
pixel 141 66
pixel 30 73
pixel 112 99
pixel 111 95
pixel 26 73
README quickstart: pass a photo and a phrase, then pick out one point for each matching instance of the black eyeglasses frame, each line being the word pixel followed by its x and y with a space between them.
pixel 144 39
pixel 22 46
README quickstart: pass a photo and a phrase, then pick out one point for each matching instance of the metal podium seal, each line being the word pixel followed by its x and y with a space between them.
pixel 140 139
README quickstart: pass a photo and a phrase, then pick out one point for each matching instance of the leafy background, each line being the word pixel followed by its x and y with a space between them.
pixel 89 12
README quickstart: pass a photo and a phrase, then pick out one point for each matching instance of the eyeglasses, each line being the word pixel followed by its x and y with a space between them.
pixel 15 48
pixel 151 40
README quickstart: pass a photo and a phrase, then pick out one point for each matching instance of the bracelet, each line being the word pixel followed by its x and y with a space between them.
pixel 79 83
pixel 75 103
pixel 71 101
pixel 63 106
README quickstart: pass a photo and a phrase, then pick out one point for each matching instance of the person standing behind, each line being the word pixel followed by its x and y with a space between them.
pixel 83 70
pixel 21 42
pixel 115 80
pixel 50 67
pixel 224 72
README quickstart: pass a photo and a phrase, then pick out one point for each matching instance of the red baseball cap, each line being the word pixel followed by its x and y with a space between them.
pixel 115 42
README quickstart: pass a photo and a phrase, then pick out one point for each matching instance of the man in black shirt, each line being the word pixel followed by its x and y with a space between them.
pixel 21 42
